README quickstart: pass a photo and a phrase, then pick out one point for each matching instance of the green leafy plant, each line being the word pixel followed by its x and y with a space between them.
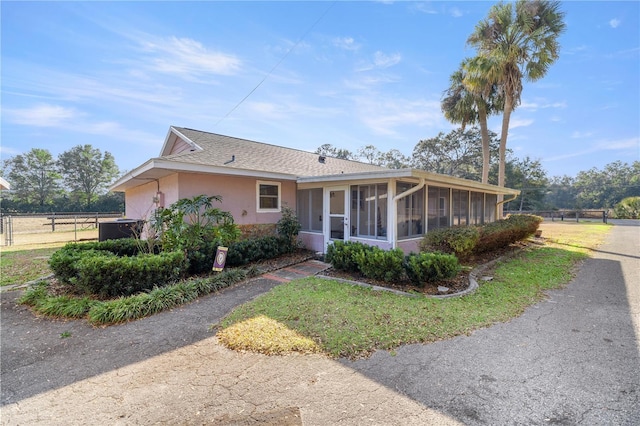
pixel 342 254
pixel 194 227
pixel 288 227
pixel 386 265
pixel 426 267
pixel 460 241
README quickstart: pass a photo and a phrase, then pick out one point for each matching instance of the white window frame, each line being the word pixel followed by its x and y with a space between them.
pixel 270 183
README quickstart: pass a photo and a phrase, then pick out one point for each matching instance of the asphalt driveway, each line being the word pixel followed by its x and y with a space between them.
pixel 571 359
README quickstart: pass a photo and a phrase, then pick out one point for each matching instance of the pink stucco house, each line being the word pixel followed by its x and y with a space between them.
pixel 334 199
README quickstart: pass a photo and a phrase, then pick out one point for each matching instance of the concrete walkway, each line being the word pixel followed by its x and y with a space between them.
pixel 572 359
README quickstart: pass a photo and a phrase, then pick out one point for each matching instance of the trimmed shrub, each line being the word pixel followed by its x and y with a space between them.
pixel 247 251
pixel 342 255
pixel 460 241
pixel 503 232
pixel 424 268
pixel 378 264
pixel 109 275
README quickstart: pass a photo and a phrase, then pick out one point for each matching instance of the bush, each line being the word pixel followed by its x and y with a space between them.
pixel 503 232
pixel 430 267
pixel 628 208
pixel 247 251
pixel 342 255
pixel 109 275
pixel 460 241
pixel 288 227
pixel 378 264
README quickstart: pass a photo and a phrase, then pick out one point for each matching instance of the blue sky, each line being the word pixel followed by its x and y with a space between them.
pixel 116 75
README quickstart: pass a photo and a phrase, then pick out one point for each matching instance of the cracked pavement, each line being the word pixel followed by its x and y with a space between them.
pixel 571 359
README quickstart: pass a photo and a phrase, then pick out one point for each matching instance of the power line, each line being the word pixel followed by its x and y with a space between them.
pixel 277 64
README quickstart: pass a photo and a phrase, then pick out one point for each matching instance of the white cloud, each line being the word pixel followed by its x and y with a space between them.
pixel 615 23
pixel 581 135
pixel 520 122
pixel 382 116
pixel 42 115
pixel 632 145
pixel 381 60
pixel 346 43
pixel 188 58
pixel 423 8
pixel 455 12
pixel 541 104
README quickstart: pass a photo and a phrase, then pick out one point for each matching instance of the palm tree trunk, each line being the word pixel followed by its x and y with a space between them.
pixel 506 117
pixel 484 131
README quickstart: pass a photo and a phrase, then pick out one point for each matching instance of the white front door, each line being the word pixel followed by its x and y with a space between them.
pixel 336 202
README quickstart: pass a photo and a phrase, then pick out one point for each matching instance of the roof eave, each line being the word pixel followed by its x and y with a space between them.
pixel 157 168
pixel 410 173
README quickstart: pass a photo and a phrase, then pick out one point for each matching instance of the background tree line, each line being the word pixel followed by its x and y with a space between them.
pixel 459 153
pixel 76 181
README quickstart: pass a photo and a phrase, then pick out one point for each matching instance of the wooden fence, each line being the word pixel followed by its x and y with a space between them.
pixel 51 227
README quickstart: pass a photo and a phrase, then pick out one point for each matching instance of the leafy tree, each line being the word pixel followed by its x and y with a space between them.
pixel 597 189
pixel 470 102
pixel 33 177
pixel 530 178
pixel 515 41
pixel 87 172
pixel 457 153
pixel 561 193
pixel 329 150
pixel 394 159
pixel 369 154
pixel 628 208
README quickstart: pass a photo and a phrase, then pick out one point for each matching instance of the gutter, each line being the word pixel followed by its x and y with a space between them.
pixel 410 190
pixel 499 203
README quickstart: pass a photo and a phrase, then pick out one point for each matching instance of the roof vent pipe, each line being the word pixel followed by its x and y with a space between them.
pixel 233 158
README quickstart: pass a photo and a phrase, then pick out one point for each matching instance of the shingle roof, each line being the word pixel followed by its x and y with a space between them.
pixel 218 150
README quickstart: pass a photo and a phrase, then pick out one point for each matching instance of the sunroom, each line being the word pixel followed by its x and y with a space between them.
pixel 390 208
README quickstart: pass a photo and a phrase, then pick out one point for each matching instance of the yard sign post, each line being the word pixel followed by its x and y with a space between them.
pixel 221 258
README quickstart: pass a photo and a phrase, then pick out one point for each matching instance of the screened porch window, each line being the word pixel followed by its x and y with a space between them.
pixel 309 209
pixel 460 207
pixel 410 211
pixel 477 208
pixel 369 211
pixel 490 202
pixel 438 207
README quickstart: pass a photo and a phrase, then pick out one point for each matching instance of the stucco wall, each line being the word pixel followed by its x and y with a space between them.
pixel 238 195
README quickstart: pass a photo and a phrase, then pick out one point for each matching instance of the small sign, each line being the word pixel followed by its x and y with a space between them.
pixel 221 258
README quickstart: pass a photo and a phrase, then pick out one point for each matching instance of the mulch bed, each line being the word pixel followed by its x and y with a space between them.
pixel 454 285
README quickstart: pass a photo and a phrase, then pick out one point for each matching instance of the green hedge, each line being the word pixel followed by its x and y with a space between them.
pixel 501 233
pixel 467 240
pixel 391 265
pixel 424 268
pixel 385 265
pixel 247 251
pixel 342 255
pixel 460 241
pixel 110 275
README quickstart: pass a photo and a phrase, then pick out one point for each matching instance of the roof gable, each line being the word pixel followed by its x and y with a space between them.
pixel 196 147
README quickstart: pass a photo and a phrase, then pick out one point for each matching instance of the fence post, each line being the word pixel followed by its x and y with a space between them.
pixel 577 216
pixel 75 228
pixel 604 216
pixel 53 222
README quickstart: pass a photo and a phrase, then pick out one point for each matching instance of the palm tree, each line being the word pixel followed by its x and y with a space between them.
pixel 515 41
pixel 470 102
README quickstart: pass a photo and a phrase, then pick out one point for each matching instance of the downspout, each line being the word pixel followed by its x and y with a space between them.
pixel 410 191
pixel 394 243
pixel 499 203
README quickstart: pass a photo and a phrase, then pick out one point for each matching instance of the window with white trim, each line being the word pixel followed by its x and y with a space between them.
pixel 268 196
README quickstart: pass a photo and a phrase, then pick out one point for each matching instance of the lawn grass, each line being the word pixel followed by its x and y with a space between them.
pixel 350 321
pixel 20 266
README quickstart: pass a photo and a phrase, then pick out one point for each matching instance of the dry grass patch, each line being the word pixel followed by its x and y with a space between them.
pixel 267 336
